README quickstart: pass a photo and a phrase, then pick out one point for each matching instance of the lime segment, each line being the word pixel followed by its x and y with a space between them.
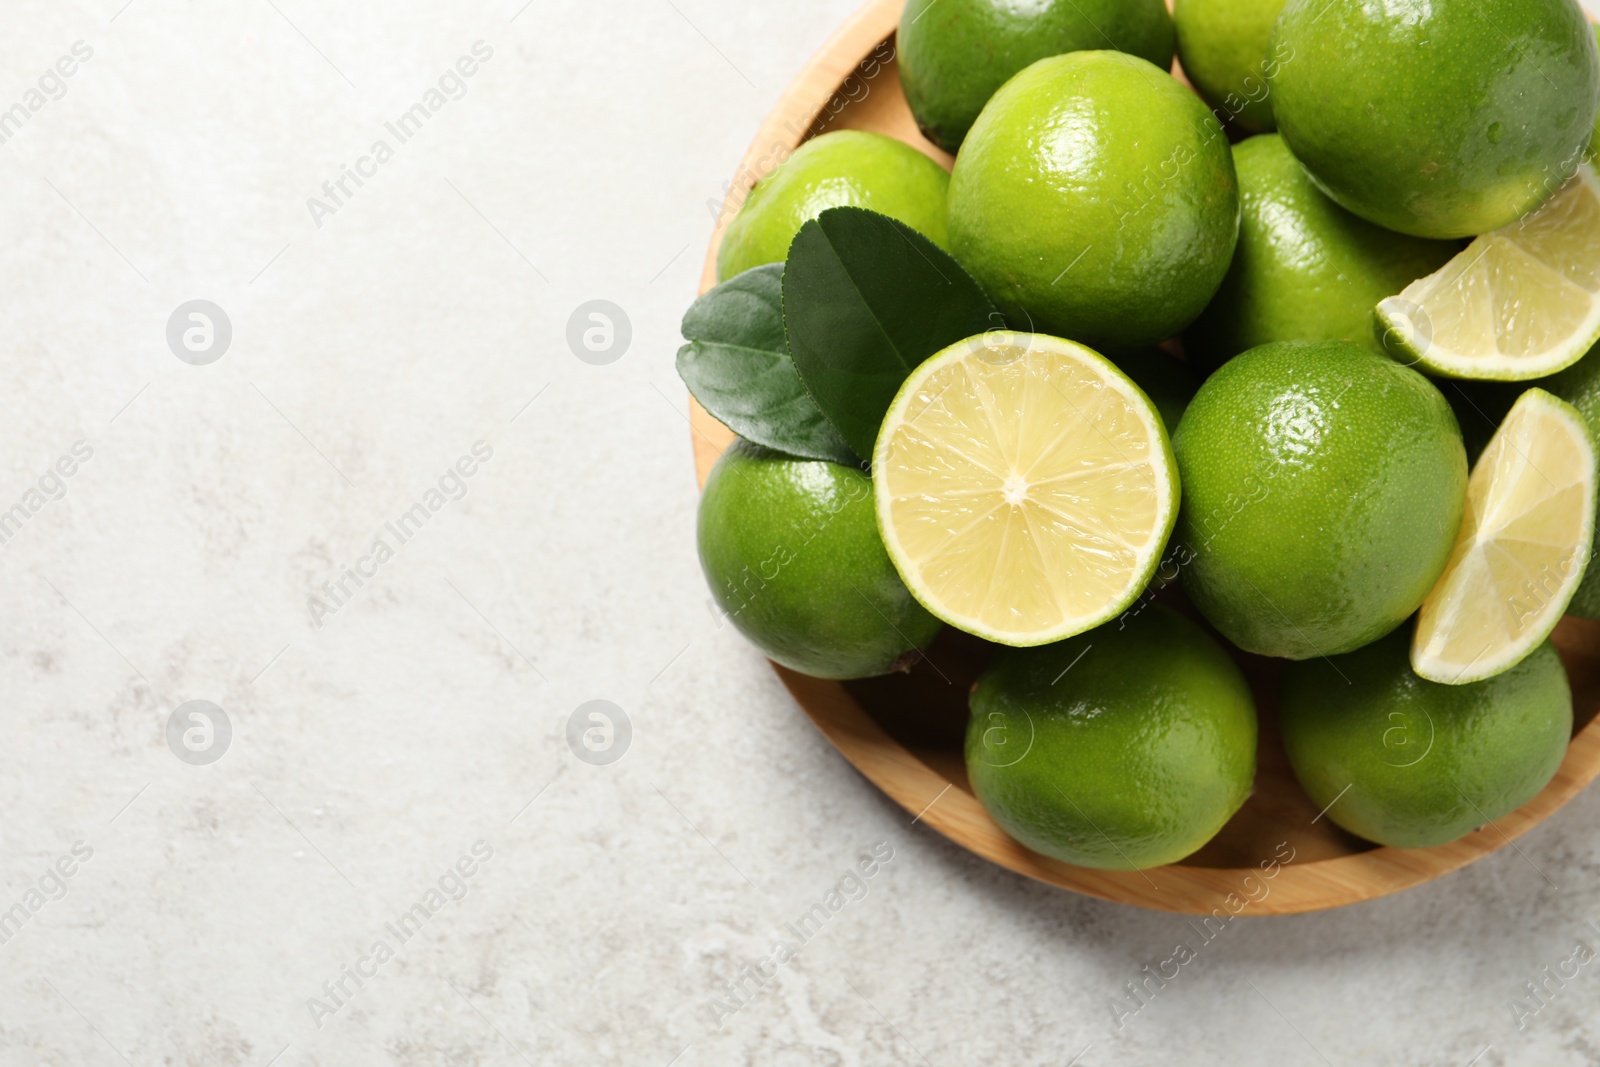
pixel 1522 549
pixel 1519 303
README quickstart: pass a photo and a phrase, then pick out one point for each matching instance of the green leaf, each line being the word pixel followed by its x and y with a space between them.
pixel 866 299
pixel 737 365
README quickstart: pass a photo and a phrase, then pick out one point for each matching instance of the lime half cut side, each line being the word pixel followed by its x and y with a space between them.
pixel 1025 487
pixel 1518 303
pixel 1522 550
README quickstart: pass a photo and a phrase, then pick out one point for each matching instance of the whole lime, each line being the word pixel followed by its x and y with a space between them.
pixel 954 54
pixel 1222 45
pixel 791 550
pixel 1305 269
pixel 1323 486
pixel 846 168
pixel 1125 747
pixel 1441 119
pixel 1579 385
pixel 1411 763
pixel 1095 199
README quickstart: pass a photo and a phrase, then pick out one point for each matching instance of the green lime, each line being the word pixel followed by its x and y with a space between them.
pixel 1441 119
pixel 1095 199
pixel 1305 269
pixel 1125 747
pixel 791 550
pixel 1323 486
pixel 954 54
pixel 1168 381
pixel 1222 45
pixel 846 168
pixel 1026 488
pixel 1406 762
pixel 1579 385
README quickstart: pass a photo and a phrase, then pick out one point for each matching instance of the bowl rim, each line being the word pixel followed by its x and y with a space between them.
pixel 1278 885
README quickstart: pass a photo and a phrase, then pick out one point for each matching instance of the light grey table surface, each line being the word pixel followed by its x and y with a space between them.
pixel 387 738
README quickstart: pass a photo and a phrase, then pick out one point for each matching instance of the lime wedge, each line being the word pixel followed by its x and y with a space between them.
pixel 1025 487
pixel 1518 303
pixel 1522 549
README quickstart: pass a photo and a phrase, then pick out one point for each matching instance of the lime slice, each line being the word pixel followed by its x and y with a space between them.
pixel 1522 549
pixel 1025 487
pixel 1518 303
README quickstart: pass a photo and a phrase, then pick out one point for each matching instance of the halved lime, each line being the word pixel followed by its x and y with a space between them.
pixel 1025 487
pixel 1522 549
pixel 1518 303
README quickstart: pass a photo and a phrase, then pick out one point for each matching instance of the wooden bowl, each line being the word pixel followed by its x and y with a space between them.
pixel 1279 855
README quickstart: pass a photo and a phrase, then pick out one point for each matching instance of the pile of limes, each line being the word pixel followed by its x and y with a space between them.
pixel 1194 387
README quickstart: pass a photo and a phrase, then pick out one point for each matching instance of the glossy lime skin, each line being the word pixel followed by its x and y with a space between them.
pixel 1441 119
pixel 955 54
pixel 1411 763
pixel 1126 747
pixel 1323 486
pixel 1095 199
pixel 846 168
pixel 1222 45
pixel 1305 268
pixel 1579 385
pixel 791 551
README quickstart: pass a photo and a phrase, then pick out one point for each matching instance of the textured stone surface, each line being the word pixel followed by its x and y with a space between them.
pixel 430 711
